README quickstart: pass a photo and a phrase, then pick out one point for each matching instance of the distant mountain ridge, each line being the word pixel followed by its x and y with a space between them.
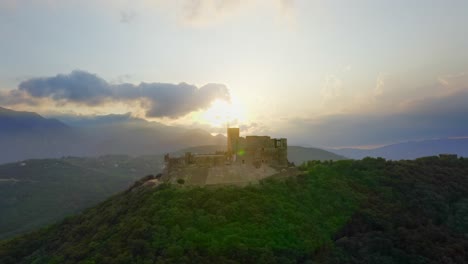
pixel 27 135
pixel 411 149
pixel 298 154
pixel 12 122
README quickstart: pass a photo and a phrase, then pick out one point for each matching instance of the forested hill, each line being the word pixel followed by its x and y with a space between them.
pixel 35 193
pixel 367 211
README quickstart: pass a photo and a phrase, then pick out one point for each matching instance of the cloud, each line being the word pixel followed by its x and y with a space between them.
pixel 425 118
pixel 393 118
pixel 207 11
pixel 83 88
pixel 78 87
pixel 454 82
pixel 15 97
pixel 333 94
pixel 287 7
pixel 127 17
pixel 170 100
pixel 198 12
pixel 379 85
pixel 332 87
pixel 255 128
pixel 190 12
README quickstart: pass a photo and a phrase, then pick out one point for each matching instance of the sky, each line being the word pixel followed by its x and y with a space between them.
pixel 321 73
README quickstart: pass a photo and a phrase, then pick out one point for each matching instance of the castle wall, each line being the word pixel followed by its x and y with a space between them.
pixel 246 160
pixel 200 160
pixel 238 174
pixel 209 160
pixel 262 150
pixel 232 140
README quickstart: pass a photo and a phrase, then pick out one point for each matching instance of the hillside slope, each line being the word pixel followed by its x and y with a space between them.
pixel 34 193
pixel 369 211
pixel 298 155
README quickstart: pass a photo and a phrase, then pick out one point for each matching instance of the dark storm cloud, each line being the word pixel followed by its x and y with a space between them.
pixel 436 117
pixel 159 99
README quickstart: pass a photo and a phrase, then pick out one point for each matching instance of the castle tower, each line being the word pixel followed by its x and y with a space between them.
pixel 232 139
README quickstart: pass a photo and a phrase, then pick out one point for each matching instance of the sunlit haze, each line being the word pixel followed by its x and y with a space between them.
pixel 322 73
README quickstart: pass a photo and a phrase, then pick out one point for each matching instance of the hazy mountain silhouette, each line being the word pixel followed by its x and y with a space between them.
pixel 13 122
pixel 140 137
pixel 298 154
pixel 410 150
pixel 29 135
pixel 26 135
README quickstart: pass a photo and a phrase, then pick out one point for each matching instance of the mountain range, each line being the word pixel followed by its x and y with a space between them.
pixel 411 149
pixel 26 135
pixel 29 135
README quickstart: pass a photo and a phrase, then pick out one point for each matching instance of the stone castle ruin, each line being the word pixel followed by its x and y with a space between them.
pixel 245 160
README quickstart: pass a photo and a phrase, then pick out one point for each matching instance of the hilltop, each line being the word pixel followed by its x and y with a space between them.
pixel 34 193
pixel 367 211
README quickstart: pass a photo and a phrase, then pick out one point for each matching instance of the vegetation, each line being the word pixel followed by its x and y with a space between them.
pixel 180 181
pixel 418 213
pixel 368 211
pixel 34 193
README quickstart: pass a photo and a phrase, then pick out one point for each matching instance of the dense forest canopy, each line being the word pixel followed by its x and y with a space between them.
pixel 365 211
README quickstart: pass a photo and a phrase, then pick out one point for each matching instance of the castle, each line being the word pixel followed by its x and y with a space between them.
pixel 246 159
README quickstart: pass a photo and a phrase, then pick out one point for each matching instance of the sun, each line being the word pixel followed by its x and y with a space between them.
pixel 222 113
